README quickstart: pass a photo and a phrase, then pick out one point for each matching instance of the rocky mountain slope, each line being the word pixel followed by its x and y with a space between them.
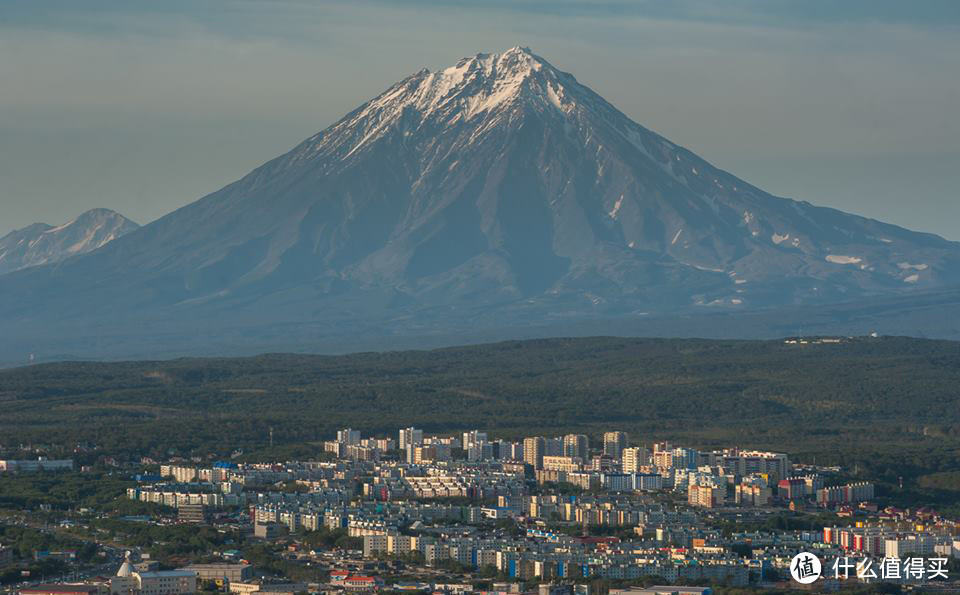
pixel 45 244
pixel 499 192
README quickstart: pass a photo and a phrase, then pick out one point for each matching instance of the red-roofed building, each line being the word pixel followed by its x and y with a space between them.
pixel 363 583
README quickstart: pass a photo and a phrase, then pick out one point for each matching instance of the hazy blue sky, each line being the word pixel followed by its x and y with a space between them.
pixel 144 107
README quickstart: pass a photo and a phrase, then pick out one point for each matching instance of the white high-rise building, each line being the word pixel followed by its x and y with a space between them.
pixel 614 443
pixel 534 449
pixel 511 450
pixel 553 447
pixel 634 458
pixel 576 445
pixel 348 436
pixel 473 438
pixel 410 437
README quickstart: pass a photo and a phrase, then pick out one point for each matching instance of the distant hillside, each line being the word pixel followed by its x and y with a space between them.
pixel 863 394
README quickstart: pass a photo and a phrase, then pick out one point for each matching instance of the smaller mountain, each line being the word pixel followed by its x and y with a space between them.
pixel 45 244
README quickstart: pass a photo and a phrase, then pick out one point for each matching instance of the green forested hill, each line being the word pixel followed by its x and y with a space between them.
pixel 831 401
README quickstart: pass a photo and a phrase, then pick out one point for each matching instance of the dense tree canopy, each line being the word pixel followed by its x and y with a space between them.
pixel 885 407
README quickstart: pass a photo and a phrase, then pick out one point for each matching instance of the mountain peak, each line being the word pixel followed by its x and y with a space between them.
pixel 481 83
pixel 508 63
pixel 488 81
pixel 41 243
pixel 96 216
pixel 484 86
pixel 520 50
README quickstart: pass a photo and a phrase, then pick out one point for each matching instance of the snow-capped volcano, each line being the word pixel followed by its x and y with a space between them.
pixel 45 244
pixel 602 196
pixel 499 191
pixel 484 88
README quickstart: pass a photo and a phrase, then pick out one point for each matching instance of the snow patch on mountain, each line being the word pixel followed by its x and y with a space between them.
pixel 839 259
pixel 907 266
pixel 616 208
